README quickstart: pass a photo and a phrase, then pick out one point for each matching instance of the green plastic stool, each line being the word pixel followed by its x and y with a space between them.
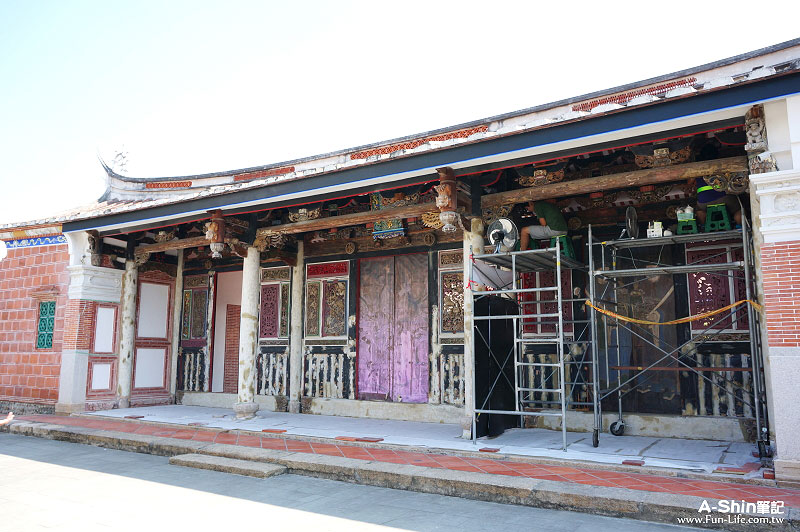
pixel 566 245
pixel 687 227
pixel 717 218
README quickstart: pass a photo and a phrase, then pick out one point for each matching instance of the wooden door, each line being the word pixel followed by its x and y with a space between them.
pixel 410 349
pixel 393 329
pixel 151 364
pixel 375 318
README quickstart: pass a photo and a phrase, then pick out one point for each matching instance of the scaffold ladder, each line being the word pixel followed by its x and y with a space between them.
pixel 522 262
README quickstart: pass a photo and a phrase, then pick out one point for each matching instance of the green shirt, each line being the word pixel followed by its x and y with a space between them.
pixel 551 214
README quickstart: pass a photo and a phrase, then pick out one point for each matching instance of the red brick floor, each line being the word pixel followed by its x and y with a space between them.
pixel 635 481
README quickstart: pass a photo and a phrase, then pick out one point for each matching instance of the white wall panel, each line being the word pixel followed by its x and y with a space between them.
pixel 104 330
pixel 101 376
pixel 149 372
pixel 153 309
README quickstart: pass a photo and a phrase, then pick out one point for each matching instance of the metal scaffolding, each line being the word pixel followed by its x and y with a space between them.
pixel 518 263
pixel 615 385
pixel 607 381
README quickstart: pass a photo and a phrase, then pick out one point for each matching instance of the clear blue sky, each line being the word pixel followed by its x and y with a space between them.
pixel 201 86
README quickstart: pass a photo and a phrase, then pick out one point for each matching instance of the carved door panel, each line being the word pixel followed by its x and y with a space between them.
pixel 375 317
pixel 410 353
pixel 708 291
pixel 268 326
pixel 393 329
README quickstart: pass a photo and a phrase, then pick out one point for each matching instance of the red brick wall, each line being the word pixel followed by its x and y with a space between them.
pixel 230 383
pixel 780 265
pixel 28 276
pixel 78 324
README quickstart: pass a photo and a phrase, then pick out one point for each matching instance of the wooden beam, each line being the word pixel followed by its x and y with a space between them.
pixel 279 254
pixel 408 211
pixel 650 176
pixel 182 243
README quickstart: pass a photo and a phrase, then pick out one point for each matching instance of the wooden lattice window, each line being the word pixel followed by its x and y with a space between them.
pixel 715 290
pixel 543 302
pixel 195 314
pixel 451 292
pixel 326 299
pixel 274 305
pixel 46 325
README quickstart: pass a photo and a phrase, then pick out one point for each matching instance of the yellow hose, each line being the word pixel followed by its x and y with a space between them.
pixel 674 322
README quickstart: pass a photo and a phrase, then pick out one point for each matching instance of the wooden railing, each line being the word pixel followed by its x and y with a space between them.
pixel 706 399
pixel 272 369
pixel 193 370
pixel 329 375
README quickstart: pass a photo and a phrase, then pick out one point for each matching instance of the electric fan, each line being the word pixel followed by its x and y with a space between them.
pixel 503 235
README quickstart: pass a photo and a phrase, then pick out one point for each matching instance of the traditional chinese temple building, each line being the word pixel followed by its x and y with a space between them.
pixel 341 284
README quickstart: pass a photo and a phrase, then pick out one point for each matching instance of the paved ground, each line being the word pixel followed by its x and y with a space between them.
pixel 51 485
pixel 531 469
pixel 693 455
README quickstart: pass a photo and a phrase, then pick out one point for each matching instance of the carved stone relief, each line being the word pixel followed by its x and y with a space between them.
pixel 757 147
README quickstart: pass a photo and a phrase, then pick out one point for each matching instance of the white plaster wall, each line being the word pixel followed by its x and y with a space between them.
pixel 793 115
pixel 77 243
pixel 229 292
pixel 777 121
pixel 783 131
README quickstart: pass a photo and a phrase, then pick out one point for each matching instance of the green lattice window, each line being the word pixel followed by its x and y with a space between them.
pixel 47 319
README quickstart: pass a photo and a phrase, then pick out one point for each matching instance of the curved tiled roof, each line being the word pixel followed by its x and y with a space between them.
pixel 125 193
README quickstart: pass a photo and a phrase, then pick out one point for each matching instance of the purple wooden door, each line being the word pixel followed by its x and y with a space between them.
pixel 375 317
pixel 410 354
pixel 393 329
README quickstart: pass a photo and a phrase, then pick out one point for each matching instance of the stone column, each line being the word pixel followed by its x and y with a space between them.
pixel 177 308
pixel 246 407
pixel 127 333
pixel 296 333
pixel 211 315
pixel 473 242
pixel 775 199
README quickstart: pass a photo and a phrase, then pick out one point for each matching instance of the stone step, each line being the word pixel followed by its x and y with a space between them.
pixel 228 465
pixel 598 498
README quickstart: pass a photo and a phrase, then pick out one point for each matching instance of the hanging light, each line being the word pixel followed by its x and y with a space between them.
pixel 449 219
pixel 216 249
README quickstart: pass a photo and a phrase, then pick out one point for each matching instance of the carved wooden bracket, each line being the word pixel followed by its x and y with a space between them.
pixel 238 248
pixel 446 198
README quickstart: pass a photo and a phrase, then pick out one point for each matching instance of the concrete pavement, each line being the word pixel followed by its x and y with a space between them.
pixel 53 485
pixel 700 456
pixel 601 492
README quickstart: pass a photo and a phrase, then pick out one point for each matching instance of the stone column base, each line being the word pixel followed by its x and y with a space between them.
pixel 124 402
pixel 294 406
pixel 70 408
pixel 787 473
pixel 466 428
pixel 245 410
